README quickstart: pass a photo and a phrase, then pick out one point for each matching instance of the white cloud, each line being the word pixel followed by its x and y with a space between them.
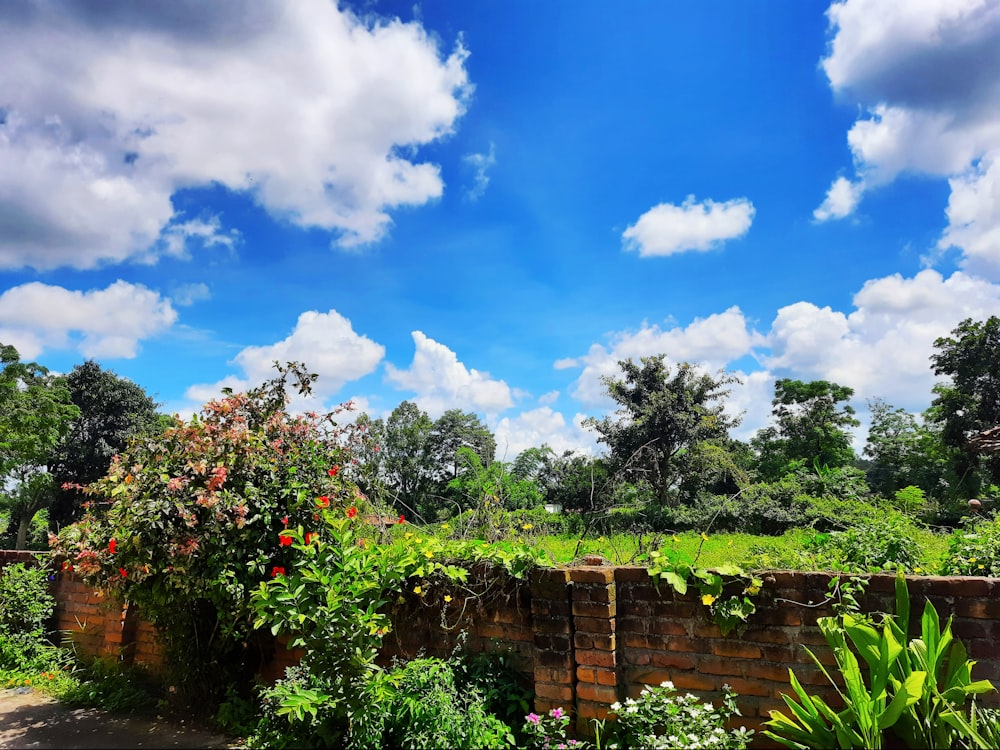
pixel 974 218
pixel 547 399
pixel 928 73
pixel 482 163
pixel 187 294
pixel 177 238
pixel 111 108
pixel 441 382
pixel 841 199
pixel 881 348
pixel 542 426
pixel 325 342
pixel 105 323
pixel 711 342
pixel 666 228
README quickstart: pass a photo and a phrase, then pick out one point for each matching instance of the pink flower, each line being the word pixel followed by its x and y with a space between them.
pixel 284 521
pixel 556 713
pixel 533 718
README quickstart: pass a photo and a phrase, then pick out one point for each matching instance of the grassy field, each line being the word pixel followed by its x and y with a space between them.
pixel 791 550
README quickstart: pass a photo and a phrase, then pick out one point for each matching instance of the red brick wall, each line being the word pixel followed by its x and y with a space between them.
pixel 588 636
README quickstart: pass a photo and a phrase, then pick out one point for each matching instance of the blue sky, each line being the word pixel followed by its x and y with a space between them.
pixel 486 205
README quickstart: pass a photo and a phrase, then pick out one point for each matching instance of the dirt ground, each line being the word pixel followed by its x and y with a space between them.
pixel 29 719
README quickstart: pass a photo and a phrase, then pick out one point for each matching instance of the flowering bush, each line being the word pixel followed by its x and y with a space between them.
pixel 974 550
pixel 187 523
pixel 549 731
pixel 662 719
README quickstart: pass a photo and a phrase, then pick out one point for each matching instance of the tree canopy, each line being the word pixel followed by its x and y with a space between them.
pixel 663 416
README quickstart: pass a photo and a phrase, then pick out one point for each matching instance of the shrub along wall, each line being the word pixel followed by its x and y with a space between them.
pixel 589 636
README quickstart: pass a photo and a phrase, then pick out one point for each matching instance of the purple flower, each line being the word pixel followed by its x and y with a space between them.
pixel 556 713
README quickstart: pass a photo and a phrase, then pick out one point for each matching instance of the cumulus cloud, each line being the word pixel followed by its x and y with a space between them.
pixel 841 200
pixel 109 108
pixel 928 74
pixel 178 238
pixel 325 342
pixel 542 426
pixel 666 228
pixel 187 294
pixel 99 323
pixel 882 347
pixel 441 382
pixel 482 164
pixel 711 342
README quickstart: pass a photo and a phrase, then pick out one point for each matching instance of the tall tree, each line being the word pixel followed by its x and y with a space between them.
pixel 453 430
pixel 403 457
pixel 969 403
pixel 812 426
pixel 662 418
pixel 904 451
pixel 113 410
pixel 35 413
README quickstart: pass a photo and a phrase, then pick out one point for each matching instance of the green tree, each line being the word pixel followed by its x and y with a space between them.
pixel 113 410
pixel 403 458
pixel 812 423
pixel 903 451
pixel 453 430
pixel 35 413
pixel 493 483
pixel 662 419
pixel 969 402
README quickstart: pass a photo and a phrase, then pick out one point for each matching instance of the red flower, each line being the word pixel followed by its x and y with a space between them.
pixel 67 565
pixel 323 501
pixel 123 572
pixel 284 521
pixel 401 519
pixel 311 536
pixel 333 472
pixel 286 539
pixel 352 512
pixel 112 546
pixel 276 571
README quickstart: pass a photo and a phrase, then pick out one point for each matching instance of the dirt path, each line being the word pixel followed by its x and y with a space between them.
pixel 29 719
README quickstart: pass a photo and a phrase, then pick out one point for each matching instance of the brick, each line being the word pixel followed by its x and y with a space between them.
pixel 718 665
pixel 590 640
pixel 594 625
pixel 785 615
pixel 735 649
pixel 589 574
pixel 759 670
pixel 639 640
pixel 549 576
pixel 694 681
pixel 490 630
pixel 552 625
pixel 554 692
pixel 590 710
pixel 599 610
pixel 649 677
pixel 597 693
pixel 551 608
pixel 663 626
pixel 781 636
pixel 603 594
pixel 631 574
pixel 673 660
pixel 595 658
pixel 749 687
pixel 692 645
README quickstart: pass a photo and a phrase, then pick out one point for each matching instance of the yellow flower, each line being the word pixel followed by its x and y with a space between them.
pixel 408 535
pixel 916 570
pixel 972 560
pixel 753 589
pixel 730 543
pixel 980 567
pixel 674 537
pixel 447 598
pixel 418 591
pixel 528 526
pixel 418 540
pixel 445 526
pixel 707 599
pixel 704 536
pixel 428 554
pixel 600 538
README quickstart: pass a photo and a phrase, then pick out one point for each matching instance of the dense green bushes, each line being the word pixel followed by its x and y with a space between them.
pixel 25 607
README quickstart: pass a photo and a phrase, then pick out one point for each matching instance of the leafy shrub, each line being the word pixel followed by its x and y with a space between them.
pixel 549 731
pixel 187 523
pixel 505 691
pixel 885 542
pixel 105 685
pixel 974 550
pixel 662 719
pixel 25 607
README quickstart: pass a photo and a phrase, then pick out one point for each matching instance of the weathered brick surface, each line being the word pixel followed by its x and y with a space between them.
pixel 590 635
